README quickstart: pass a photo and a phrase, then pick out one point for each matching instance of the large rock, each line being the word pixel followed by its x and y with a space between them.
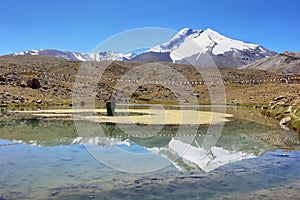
pixel 283 123
pixel 290 109
pixel 285 120
pixel 2 79
pixel 279 98
pixel 39 101
pixel 34 83
pixel 23 84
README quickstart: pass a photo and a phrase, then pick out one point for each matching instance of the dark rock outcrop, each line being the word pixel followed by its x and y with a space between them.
pixel 34 83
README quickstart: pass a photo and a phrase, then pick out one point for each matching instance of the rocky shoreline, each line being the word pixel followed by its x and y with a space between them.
pixel 286 109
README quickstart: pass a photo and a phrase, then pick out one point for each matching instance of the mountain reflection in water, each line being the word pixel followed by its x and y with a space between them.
pixel 48 159
pixel 239 140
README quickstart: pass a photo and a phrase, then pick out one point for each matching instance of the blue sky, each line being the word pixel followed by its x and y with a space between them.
pixel 81 25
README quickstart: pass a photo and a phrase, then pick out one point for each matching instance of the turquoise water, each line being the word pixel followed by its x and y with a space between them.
pixel 49 160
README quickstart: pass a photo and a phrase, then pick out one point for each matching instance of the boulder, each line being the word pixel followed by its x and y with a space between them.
pixel 34 83
pixel 2 79
pixel 23 84
pixel 283 123
pixel 279 98
pixel 39 101
pixel 196 95
pixel 290 109
pixel 272 107
pixel 282 103
pixel 272 103
pixel 285 120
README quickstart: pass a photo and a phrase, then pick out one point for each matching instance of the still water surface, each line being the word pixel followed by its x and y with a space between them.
pixel 47 159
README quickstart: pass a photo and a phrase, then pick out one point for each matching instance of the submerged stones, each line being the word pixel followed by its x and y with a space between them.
pixel 54 193
pixel 281 155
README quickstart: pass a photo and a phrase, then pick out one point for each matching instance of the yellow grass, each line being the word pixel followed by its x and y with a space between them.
pixel 147 116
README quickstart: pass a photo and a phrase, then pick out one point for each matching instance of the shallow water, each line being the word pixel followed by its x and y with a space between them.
pixel 50 160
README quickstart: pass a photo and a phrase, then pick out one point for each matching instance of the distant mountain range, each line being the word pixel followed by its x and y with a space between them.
pixel 284 63
pixel 186 46
pixel 106 55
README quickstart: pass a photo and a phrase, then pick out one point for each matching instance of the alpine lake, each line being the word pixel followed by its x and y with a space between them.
pixel 147 152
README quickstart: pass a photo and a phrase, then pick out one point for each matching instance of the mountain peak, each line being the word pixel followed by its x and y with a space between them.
pixel 185 31
pixel 213 33
pixel 181 37
pixel 210 30
pixel 189 43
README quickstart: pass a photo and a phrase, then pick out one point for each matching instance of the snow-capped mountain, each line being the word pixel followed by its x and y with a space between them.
pixel 187 45
pixel 93 56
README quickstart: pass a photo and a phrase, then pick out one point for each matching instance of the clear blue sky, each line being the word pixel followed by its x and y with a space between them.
pixel 81 25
